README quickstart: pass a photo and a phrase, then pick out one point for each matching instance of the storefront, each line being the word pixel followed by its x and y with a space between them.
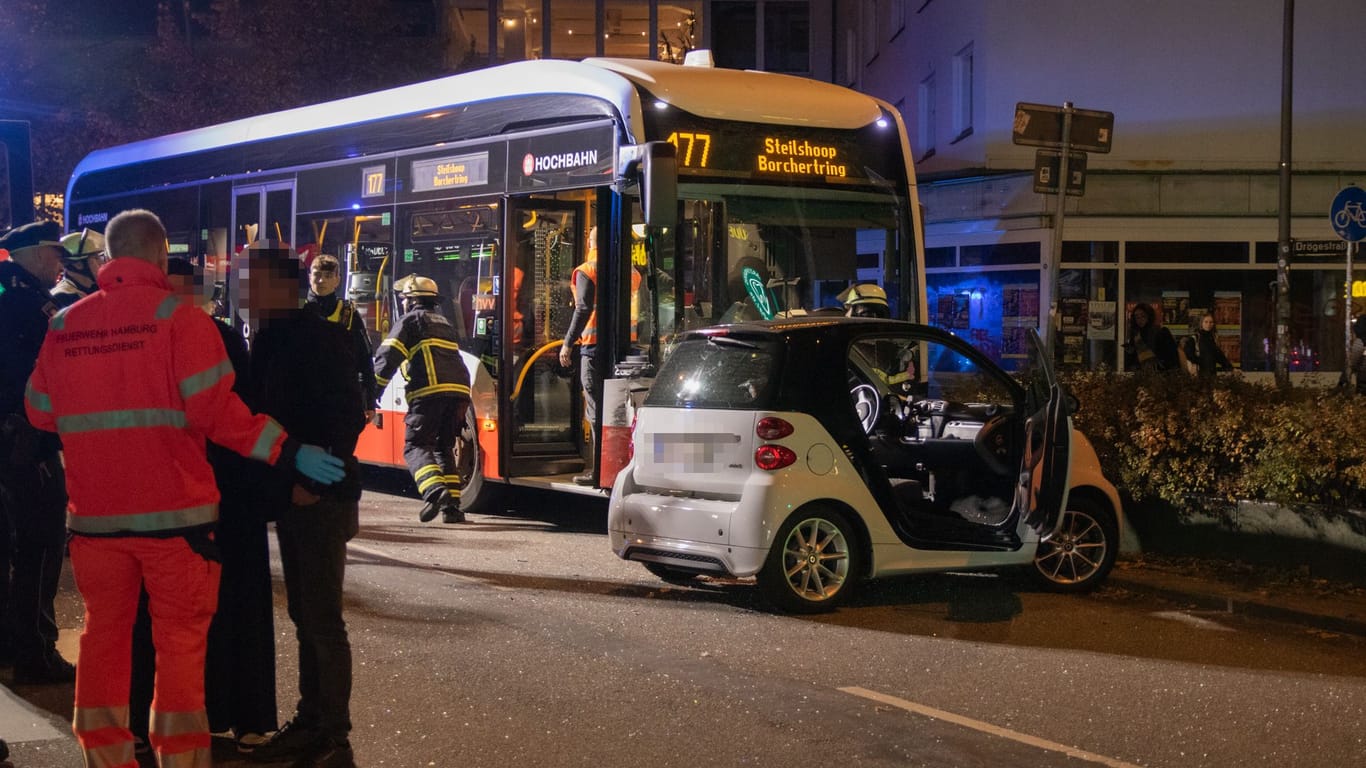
pixel 986 275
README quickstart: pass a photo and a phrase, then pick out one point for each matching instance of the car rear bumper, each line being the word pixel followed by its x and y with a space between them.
pixel 698 534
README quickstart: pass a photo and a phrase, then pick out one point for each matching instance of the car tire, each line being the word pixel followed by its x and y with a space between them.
pixel 477 494
pixel 671 574
pixel 814 564
pixel 1080 555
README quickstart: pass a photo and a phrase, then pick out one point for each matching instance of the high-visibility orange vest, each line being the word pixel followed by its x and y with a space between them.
pixel 589 269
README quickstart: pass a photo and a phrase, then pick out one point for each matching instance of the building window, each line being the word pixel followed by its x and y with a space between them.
pixel 962 93
pixel 787 37
pixel 734 30
pixel 851 65
pixel 869 17
pixel 925 117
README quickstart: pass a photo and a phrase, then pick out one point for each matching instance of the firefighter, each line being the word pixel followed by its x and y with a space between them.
pixel 865 300
pixel 143 497
pixel 32 481
pixel 424 345
pixel 83 255
pixel 324 277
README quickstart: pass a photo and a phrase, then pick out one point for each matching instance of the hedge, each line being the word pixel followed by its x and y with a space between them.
pixel 1170 439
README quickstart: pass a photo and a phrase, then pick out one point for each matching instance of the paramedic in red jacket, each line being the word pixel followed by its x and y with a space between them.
pixel 134 380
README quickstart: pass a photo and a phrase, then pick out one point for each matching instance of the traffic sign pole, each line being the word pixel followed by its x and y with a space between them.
pixel 1055 260
pixel 1347 310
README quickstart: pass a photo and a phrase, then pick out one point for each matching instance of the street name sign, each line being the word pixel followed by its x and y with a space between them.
pixel 1040 125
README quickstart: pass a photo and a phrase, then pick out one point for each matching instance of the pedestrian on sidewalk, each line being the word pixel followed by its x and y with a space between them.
pixel 133 381
pixel 1201 349
pixel 303 372
pixel 1148 346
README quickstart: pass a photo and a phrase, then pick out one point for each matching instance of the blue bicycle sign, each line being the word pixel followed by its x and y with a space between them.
pixel 1348 214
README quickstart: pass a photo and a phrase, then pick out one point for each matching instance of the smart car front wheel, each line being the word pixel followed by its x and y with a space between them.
pixel 1079 556
pixel 814 564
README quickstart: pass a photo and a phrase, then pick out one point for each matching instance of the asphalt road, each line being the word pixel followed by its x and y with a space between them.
pixel 520 639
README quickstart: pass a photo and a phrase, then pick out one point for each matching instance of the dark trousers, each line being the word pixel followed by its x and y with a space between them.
pixel 431 425
pixel 313 553
pixel 33 498
pixel 588 379
pixel 239 671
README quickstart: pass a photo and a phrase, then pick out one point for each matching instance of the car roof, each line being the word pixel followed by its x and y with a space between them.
pixel 818 325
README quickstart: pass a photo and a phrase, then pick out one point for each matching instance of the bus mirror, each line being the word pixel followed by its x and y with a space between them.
pixel 657 168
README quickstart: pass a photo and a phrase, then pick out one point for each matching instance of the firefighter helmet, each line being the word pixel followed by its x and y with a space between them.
pixel 865 300
pixel 417 286
pixel 83 245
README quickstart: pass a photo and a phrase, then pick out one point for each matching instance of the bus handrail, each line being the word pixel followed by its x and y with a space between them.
pixel 526 366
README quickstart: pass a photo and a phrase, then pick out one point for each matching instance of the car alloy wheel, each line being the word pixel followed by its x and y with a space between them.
pixel 813 564
pixel 1080 554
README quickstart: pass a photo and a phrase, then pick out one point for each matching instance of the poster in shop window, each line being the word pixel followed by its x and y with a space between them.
pixel 1228 325
pixel 1176 311
pixel 1100 324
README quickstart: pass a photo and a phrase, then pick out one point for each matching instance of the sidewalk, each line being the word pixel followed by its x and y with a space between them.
pixel 1275 593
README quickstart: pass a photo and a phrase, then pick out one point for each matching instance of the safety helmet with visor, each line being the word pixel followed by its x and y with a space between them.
pixel 865 300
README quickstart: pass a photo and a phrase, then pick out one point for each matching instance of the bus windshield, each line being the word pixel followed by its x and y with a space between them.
pixel 749 252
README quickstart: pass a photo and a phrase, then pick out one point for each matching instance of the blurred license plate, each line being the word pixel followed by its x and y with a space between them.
pixel 690 451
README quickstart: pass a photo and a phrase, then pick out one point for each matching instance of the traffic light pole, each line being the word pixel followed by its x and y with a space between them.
pixel 1282 372
pixel 1055 259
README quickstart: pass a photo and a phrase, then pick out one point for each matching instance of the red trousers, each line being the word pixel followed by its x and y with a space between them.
pixel 182 585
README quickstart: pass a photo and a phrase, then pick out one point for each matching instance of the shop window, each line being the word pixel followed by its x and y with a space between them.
pixel 1088 336
pixel 1090 252
pixel 993 310
pixel 734 28
pixel 999 253
pixel 940 257
pixel 1185 253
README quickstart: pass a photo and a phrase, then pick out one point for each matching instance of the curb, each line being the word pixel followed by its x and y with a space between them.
pixel 1238 605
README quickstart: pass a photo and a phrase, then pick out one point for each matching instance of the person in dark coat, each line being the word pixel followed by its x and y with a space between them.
pixel 1148 346
pixel 302 372
pixel 32 479
pixel 324 278
pixel 1202 350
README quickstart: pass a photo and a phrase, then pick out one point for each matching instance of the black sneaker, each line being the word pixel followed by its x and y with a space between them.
pixel 291 743
pixel 430 509
pixel 330 756
pixel 52 669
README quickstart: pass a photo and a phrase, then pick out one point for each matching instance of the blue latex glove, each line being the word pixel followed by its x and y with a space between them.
pixel 319 465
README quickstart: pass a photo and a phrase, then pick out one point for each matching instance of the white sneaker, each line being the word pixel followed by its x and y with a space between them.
pixel 250 741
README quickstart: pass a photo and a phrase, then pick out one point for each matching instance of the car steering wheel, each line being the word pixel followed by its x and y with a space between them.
pixel 993 444
pixel 866 406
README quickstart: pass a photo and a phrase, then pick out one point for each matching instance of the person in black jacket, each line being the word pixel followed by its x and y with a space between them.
pixel 302 372
pixel 1202 350
pixel 32 480
pixel 438 392
pixel 1148 346
pixel 324 277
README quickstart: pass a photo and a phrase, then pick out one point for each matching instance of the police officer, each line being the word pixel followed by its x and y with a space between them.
pixel 32 481
pixel 324 277
pixel 438 392
pixel 865 300
pixel 83 254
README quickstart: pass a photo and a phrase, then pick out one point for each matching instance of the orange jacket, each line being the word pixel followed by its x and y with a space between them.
pixel 589 270
pixel 133 380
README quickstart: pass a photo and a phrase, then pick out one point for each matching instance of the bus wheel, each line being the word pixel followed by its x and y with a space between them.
pixel 477 494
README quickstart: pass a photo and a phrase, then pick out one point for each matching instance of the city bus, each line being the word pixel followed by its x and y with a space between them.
pixel 729 194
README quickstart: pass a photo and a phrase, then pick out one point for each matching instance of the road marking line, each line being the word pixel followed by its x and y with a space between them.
pixel 978 725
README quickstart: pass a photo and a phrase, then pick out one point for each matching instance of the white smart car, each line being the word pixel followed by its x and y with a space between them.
pixel 815 452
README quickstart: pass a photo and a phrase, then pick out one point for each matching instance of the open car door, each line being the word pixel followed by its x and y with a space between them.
pixel 1046 469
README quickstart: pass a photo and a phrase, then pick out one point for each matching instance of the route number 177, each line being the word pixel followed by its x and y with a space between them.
pixel 693 148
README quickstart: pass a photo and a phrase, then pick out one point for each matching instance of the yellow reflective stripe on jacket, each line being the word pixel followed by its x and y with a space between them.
pixel 269 434
pixel 130 419
pixel 138 522
pixel 396 344
pixel 39 401
pixel 193 385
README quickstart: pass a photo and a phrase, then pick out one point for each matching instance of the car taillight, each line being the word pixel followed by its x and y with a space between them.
pixel 772 428
pixel 770 457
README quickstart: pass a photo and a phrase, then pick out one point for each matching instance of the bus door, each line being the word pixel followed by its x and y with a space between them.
pixel 263 212
pixel 541 399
